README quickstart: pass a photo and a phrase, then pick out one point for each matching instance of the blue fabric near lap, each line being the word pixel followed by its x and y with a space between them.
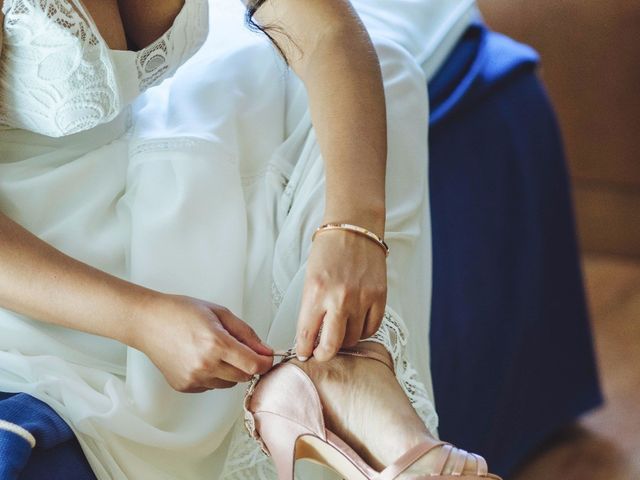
pixel 512 356
pixel 57 455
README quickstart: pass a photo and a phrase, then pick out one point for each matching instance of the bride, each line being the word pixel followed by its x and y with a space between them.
pixel 160 247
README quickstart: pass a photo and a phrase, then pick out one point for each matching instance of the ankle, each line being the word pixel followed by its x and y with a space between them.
pixel 377 348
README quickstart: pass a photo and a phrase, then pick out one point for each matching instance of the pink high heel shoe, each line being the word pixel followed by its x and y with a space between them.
pixel 284 414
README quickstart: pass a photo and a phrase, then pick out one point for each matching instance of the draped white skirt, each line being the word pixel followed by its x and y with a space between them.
pixel 211 186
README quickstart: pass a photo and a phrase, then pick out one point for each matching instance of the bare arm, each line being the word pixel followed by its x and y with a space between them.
pixel 39 281
pixel 211 347
pixel 329 49
pixel 215 349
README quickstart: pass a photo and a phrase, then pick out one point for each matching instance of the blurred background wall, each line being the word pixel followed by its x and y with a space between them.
pixel 590 53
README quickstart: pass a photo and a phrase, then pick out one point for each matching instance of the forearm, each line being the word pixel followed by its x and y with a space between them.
pixel 41 282
pixel 328 47
pixel 347 104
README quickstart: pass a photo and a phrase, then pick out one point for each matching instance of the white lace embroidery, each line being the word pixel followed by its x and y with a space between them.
pixel 54 75
pixel 58 77
pixel 246 461
pixel 161 59
pixel 139 147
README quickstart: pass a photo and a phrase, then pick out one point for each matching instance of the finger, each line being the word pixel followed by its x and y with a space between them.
pixel 309 322
pixel 205 384
pixel 244 358
pixel 355 326
pixel 374 319
pixel 354 329
pixel 244 333
pixel 226 371
pixel 220 383
pixel 195 390
pixel 332 336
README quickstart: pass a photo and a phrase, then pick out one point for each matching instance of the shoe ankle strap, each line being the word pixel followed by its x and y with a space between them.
pixel 360 352
pixel 353 351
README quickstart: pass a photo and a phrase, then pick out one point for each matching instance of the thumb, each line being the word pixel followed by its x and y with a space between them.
pixel 242 332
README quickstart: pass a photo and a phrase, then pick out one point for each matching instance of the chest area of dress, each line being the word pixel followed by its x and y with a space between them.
pixel 58 74
pixel 132 24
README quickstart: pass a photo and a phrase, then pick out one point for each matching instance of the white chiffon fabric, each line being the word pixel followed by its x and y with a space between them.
pixel 211 185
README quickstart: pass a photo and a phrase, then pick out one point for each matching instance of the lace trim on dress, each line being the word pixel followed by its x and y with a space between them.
pixel 394 335
pixel 246 461
pixel 54 81
pixel 57 75
pixel 163 57
pixel 143 146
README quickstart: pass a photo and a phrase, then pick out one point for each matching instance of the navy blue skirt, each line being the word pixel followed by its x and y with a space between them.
pixel 512 353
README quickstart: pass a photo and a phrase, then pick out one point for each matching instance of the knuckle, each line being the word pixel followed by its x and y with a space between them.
pixel 192 377
pixel 340 300
pixel 216 343
pixel 190 383
pixel 304 334
pixel 317 283
pixel 331 346
pixel 346 295
pixel 379 289
pixel 348 291
pixel 373 293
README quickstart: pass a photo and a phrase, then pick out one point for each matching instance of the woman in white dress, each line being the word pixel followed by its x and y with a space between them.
pixel 155 243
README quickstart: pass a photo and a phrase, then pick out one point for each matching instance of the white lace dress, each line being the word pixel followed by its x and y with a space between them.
pixel 209 184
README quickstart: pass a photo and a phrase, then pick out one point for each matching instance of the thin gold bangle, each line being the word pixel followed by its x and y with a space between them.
pixel 354 228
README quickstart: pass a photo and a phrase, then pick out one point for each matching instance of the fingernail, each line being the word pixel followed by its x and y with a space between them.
pixel 302 358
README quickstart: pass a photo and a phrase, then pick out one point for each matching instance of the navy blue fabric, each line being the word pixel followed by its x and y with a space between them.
pixel 512 354
pixel 57 454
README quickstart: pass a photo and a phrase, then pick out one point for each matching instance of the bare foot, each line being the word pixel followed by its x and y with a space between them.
pixel 365 405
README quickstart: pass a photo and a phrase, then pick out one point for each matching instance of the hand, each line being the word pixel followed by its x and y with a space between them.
pixel 199 345
pixel 345 291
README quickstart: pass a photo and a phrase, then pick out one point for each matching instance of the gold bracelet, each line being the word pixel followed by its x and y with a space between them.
pixel 354 228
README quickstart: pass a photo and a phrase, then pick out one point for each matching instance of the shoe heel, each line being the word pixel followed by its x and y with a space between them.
pixel 279 436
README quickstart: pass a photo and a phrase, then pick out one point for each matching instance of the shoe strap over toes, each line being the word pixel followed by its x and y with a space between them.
pixel 447 453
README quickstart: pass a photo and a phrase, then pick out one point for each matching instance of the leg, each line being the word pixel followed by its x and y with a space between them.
pixel 299 209
pixel 409 266
pixel 365 405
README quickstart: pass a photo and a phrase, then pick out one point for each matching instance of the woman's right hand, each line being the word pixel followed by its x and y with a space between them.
pixel 198 345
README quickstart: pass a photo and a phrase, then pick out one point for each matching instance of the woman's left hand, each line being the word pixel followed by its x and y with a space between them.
pixel 345 292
